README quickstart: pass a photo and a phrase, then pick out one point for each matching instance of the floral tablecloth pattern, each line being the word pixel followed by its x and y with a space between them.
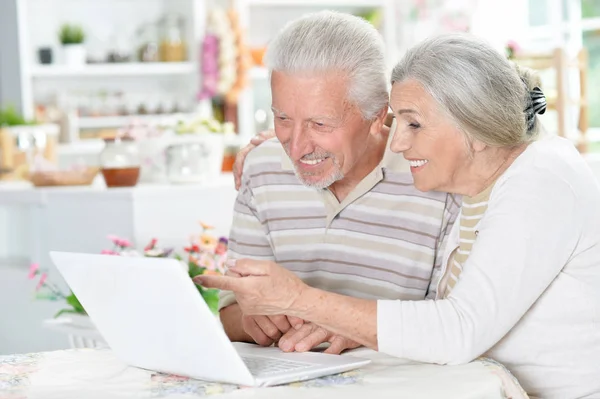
pixel 98 373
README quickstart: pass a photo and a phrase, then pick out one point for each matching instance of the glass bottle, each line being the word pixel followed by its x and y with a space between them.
pixel 172 44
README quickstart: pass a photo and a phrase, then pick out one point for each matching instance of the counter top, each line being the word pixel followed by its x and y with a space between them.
pixel 24 193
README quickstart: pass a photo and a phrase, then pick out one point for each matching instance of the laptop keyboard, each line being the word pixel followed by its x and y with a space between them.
pixel 265 366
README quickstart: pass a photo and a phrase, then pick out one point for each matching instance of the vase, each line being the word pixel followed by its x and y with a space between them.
pixel 74 55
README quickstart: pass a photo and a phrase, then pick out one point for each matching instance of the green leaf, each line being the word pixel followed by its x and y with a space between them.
pixel 195 270
pixel 9 116
pixel 74 302
pixel 71 34
pixel 211 297
pixel 66 311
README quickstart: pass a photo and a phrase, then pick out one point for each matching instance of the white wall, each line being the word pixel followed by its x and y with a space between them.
pixel 10 87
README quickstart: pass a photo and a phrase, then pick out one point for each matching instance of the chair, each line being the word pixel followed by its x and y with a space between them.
pixel 559 61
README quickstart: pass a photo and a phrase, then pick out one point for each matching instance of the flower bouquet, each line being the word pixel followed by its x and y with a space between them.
pixel 205 255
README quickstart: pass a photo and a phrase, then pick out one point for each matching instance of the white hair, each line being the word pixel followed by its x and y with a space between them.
pixel 330 41
pixel 475 85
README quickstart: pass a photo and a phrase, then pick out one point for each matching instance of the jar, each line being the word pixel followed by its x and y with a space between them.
pixel 194 159
pixel 229 157
pixel 148 44
pixel 172 44
pixel 120 162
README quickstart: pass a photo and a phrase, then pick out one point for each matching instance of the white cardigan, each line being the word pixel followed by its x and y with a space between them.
pixel 529 293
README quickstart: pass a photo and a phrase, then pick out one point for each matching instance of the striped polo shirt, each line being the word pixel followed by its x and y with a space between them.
pixel 381 242
pixel 472 211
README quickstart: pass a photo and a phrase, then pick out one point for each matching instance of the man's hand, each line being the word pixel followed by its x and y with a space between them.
pixel 266 330
pixel 309 336
pixel 238 165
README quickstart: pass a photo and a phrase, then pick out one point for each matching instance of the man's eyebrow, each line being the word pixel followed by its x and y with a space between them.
pixel 276 111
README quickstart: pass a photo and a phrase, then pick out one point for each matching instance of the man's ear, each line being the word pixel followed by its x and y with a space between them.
pixel 379 121
pixel 478 146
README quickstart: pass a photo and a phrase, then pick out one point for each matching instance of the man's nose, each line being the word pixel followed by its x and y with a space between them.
pixel 299 144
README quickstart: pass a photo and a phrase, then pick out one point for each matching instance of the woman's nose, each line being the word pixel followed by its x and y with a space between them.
pixel 401 141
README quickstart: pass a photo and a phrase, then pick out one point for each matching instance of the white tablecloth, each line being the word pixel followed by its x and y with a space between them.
pixel 98 374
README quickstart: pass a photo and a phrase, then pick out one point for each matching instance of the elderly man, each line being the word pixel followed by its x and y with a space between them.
pixel 324 199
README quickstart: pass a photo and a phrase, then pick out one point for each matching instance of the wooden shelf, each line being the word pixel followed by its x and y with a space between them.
pixel 98 122
pixel 117 69
pixel 81 147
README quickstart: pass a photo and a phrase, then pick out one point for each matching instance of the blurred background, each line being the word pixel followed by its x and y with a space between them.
pixel 123 117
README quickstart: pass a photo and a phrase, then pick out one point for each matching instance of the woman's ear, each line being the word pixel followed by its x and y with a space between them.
pixel 379 121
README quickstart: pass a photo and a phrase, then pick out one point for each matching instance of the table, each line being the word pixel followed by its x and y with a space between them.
pixel 98 373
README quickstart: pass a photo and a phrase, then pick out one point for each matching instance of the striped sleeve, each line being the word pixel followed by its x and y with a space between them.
pixel 248 236
pixel 451 211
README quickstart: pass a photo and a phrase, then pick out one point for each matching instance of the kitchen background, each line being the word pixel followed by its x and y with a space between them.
pixel 124 116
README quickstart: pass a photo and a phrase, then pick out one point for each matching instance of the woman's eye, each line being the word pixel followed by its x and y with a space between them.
pixel 414 125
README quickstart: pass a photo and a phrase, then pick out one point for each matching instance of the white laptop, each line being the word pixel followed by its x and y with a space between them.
pixel 151 315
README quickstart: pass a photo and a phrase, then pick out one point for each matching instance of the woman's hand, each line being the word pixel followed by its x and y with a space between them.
pixel 238 165
pixel 260 287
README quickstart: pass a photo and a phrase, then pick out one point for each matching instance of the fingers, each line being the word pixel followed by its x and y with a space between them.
pixel 268 327
pixel 314 339
pixel 253 330
pixel 282 324
pixel 288 342
pixel 304 338
pixel 231 273
pixel 295 322
pixel 257 140
pixel 240 158
pixel 238 165
pixel 263 136
pixel 251 267
pixel 228 283
pixel 338 345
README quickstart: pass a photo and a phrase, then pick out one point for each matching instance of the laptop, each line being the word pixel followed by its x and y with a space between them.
pixel 151 315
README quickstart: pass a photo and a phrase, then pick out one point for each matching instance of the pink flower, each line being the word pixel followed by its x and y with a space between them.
pixel 41 282
pixel 123 242
pixel 513 45
pixel 151 245
pixel 221 264
pixel 108 252
pixel 115 239
pixel 33 270
pixel 207 261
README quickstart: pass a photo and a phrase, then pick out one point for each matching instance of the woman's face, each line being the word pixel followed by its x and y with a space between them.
pixel 436 149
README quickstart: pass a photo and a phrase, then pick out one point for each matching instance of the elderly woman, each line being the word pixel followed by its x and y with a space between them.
pixel 522 280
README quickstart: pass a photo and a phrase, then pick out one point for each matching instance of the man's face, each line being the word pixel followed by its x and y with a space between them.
pixel 321 131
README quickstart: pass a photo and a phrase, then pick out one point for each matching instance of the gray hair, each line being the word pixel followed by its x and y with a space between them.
pixel 475 85
pixel 330 41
